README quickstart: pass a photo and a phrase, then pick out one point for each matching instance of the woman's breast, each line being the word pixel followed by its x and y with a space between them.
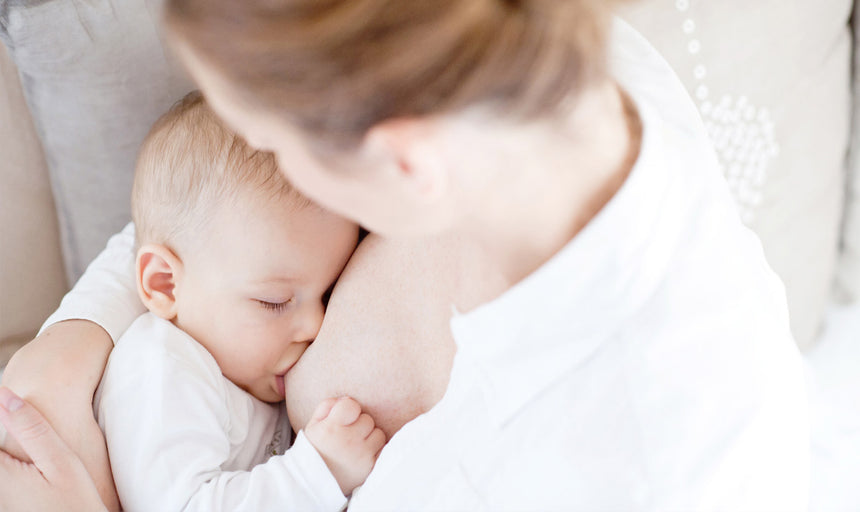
pixel 385 340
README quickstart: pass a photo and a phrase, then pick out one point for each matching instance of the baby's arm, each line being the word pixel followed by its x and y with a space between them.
pixel 59 370
pixel 167 418
pixel 329 459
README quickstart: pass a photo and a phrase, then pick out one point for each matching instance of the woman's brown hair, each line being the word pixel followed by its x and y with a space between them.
pixel 335 68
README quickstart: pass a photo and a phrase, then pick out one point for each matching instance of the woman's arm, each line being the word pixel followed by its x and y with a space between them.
pixel 59 370
pixel 57 373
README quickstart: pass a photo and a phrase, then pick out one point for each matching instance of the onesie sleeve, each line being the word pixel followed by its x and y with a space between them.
pixel 106 294
pixel 166 418
pixel 297 480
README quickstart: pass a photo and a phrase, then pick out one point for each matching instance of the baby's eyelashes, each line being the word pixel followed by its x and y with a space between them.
pixel 277 307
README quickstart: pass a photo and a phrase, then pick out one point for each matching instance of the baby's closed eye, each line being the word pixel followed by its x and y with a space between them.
pixel 275 306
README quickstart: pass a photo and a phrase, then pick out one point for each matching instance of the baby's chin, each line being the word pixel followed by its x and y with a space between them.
pixel 264 394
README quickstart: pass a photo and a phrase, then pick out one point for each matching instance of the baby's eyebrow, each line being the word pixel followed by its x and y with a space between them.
pixel 282 279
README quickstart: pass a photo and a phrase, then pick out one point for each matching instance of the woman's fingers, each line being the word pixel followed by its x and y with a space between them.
pixel 56 480
pixel 21 485
pixel 22 421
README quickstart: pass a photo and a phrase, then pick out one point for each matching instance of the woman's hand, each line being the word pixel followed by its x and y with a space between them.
pixel 55 480
pixel 57 373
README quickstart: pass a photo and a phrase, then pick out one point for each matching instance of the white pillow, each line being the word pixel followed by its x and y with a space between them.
pixel 772 82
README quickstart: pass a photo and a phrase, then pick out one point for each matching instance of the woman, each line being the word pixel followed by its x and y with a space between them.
pixel 620 340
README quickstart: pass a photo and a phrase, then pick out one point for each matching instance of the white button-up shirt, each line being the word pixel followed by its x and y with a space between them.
pixel 648 366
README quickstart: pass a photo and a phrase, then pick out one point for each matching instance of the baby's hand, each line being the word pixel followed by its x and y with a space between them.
pixel 347 439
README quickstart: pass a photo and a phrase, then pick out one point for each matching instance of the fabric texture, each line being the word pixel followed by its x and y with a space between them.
pixel 771 81
pixel 835 409
pixel 95 77
pixel 183 437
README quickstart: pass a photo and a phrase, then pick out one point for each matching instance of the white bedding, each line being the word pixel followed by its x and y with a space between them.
pixel 835 405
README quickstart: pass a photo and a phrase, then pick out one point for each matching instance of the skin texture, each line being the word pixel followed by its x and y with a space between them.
pixel 405 360
pixel 252 289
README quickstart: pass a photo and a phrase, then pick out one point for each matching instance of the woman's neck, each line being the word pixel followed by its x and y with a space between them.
pixel 571 171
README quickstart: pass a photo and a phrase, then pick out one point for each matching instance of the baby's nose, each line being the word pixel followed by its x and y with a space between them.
pixel 310 322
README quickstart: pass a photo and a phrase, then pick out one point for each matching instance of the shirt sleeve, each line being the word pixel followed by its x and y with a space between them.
pixel 106 293
pixel 166 421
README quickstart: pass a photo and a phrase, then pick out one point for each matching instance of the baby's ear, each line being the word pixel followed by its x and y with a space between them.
pixel 158 271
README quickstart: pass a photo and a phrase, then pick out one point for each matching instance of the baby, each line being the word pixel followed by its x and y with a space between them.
pixel 235 268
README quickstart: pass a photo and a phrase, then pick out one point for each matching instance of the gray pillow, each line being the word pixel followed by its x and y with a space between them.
pixel 772 82
pixel 95 77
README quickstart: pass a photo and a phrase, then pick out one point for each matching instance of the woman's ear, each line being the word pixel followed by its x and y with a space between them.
pixel 412 156
pixel 158 272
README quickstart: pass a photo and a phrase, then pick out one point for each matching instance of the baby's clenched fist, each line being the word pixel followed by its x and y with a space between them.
pixel 347 439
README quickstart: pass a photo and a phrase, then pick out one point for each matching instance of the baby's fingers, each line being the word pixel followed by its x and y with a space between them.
pixel 376 440
pixel 323 409
pixel 363 426
pixel 345 411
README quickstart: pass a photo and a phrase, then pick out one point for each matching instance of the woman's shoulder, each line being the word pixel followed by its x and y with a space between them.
pixel 649 79
pixel 397 264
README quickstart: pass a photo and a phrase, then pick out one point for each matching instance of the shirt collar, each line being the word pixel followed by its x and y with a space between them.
pixel 557 317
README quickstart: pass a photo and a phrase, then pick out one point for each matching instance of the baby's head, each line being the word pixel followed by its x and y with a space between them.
pixel 228 251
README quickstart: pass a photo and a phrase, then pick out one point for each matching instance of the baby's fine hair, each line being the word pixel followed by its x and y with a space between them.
pixel 190 163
